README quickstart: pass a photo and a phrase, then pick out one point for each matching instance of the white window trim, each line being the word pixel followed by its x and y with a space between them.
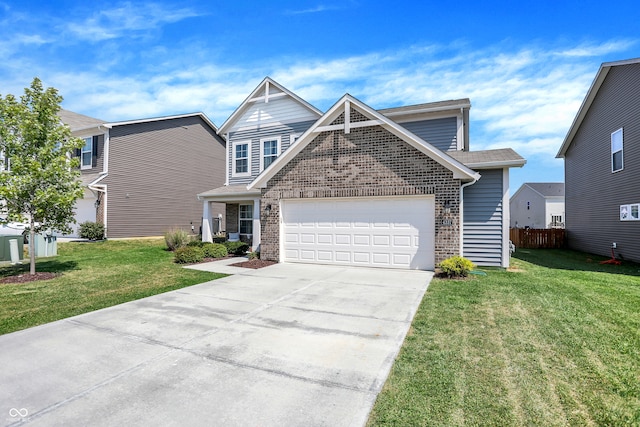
pixel 233 158
pixel 621 150
pixel 4 161
pixel 262 154
pixel 293 137
pixel 82 152
pixel 240 219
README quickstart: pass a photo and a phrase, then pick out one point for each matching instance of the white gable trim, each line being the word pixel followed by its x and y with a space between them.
pixel 345 104
pixel 588 100
pixel 256 96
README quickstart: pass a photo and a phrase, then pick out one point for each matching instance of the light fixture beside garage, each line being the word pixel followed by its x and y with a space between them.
pixel 267 209
pixel 447 207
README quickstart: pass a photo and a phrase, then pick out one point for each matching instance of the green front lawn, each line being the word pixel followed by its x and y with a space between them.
pixel 94 276
pixel 556 342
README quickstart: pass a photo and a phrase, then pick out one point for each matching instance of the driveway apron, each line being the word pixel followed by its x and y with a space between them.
pixel 285 345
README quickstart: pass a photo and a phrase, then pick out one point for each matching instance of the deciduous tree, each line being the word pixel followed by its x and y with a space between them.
pixel 42 183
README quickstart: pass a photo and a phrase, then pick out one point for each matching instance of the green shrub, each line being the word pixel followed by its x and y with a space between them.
pixel 456 266
pixel 254 255
pixel 176 239
pixel 197 243
pixel 214 250
pixel 92 230
pixel 219 239
pixel 236 248
pixel 188 255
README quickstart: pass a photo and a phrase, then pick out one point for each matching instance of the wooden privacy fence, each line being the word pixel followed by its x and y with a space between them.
pixel 530 238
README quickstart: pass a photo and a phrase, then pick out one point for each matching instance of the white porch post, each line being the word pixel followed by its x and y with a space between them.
pixel 256 224
pixel 206 222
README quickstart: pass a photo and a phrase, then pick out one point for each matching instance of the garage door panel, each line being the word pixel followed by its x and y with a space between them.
pixel 391 232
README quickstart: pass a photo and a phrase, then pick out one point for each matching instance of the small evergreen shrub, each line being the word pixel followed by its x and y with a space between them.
pixel 236 248
pixel 188 255
pixel 197 243
pixel 254 255
pixel 456 266
pixel 91 230
pixel 214 250
pixel 176 239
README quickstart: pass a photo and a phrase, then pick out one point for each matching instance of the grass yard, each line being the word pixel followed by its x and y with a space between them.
pixel 94 275
pixel 554 343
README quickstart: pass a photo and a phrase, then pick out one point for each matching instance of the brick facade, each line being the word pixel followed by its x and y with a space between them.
pixel 367 162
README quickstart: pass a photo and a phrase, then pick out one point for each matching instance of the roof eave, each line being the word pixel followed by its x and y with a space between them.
pixel 497 165
pixel 157 119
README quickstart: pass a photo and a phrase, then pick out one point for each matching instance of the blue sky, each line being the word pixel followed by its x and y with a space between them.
pixel 526 66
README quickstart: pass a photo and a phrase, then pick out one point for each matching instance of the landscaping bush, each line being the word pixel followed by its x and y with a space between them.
pixel 219 239
pixel 456 266
pixel 254 255
pixel 237 248
pixel 91 230
pixel 188 255
pixel 214 250
pixel 176 239
pixel 197 243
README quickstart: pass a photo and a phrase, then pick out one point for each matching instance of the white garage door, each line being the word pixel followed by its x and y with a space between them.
pixel 372 232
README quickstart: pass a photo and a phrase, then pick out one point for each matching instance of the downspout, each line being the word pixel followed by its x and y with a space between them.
pixel 462 187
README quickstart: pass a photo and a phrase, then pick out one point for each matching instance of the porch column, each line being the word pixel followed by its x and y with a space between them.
pixel 256 224
pixel 206 222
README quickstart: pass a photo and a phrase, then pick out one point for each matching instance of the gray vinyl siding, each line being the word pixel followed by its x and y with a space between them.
pixel 284 131
pixel 155 171
pixel 97 165
pixel 482 223
pixel 593 194
pixel 441 133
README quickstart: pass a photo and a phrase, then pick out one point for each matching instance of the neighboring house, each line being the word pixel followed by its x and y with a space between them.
pixel 538 205
pixel 602 164
pixel 140 175
pixel 355 186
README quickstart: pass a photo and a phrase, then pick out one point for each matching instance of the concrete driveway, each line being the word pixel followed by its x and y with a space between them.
pixel 286 345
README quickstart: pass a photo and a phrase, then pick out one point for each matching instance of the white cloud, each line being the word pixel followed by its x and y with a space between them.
pixel 127 19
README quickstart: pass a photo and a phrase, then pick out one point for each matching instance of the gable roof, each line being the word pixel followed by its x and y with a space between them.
pixel 256 95
pixel 489 159
pixel 547 189
pixel 78 122
pixel 588 100
pixel 157 119
pixel 345 103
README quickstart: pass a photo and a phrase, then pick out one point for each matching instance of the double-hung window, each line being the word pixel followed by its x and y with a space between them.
pixel 86 154
pixel 269 150
pixel 241 158
pixel 246 219
pixel 617 145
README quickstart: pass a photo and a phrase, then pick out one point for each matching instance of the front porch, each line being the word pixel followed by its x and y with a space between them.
pixel 242 214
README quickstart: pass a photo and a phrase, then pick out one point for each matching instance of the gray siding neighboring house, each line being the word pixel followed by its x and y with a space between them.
pixel 603 201
pixel 145 173
pixel 364 187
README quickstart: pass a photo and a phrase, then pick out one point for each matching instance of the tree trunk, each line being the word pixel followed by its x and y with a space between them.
pixel 32 249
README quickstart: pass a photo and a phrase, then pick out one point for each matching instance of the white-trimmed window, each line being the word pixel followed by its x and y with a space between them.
pixel 269 151
pixel 245 215
pixel 617 145
pixel 241 158
pixel 86 154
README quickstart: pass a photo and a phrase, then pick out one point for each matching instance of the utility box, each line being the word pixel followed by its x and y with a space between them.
pixel 5 248
pixel 46 246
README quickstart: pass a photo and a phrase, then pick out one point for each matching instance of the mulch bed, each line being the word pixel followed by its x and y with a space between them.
pixel 25 278
pixel 254 263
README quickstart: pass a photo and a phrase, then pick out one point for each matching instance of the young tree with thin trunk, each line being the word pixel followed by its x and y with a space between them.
pixel 41 184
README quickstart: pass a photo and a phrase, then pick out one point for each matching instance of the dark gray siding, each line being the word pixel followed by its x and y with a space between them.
pixel 482 223
pixel 441 133
pixel 284 131
pixel 593 194
pixel 155 171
